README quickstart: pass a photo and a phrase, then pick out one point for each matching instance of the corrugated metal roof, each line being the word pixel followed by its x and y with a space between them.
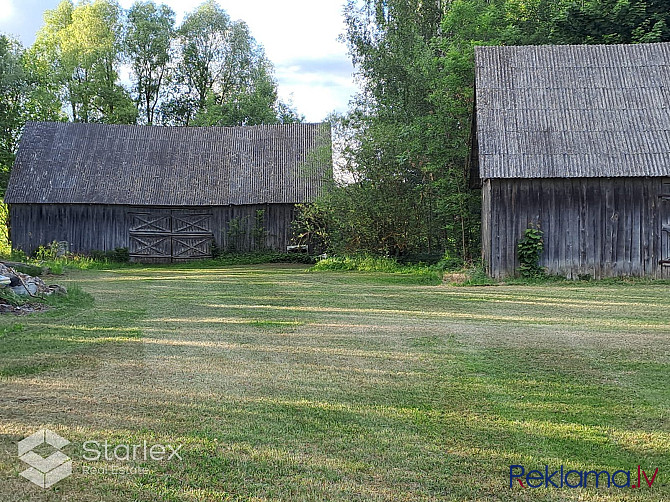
pixel 573 111
pixel 186 166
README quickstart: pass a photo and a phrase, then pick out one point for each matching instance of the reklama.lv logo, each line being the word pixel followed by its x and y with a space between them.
pixel 561 478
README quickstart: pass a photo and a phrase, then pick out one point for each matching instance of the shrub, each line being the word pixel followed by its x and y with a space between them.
pixel 117 255
pixel 258 232
pixel 367 263
pixel 257 258
pixel 48 252
pixel 29 269
pixel 18 255
pixel 530 249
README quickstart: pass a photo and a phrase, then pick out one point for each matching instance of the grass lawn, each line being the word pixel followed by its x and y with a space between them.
pixel 283 384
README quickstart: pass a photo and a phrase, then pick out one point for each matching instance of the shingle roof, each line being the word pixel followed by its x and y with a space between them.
pixel 573 111
pixel 145 165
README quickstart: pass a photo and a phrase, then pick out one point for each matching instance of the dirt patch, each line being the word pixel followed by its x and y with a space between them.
pixel 454 278
pixel 27 308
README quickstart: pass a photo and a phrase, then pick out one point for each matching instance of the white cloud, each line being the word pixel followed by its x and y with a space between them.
pixel 301 38
pixel 7 10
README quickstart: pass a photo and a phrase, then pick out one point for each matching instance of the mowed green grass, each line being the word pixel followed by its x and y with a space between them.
pixel 284 384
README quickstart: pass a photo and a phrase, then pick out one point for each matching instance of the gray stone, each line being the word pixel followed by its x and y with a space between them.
pixel 32 289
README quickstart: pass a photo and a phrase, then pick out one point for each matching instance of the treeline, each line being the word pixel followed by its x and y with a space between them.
pixel 209 70
pixel 404 141
pixel 409 128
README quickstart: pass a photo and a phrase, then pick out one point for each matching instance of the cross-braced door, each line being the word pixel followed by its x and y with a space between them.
pixel 165 235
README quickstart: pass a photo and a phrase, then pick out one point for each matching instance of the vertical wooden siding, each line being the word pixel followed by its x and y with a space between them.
pixel 88 227
pixel 602 227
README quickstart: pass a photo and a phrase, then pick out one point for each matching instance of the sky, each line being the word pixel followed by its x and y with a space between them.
pixel 300 37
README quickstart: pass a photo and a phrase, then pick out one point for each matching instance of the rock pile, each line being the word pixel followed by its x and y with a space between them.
pixel 24 284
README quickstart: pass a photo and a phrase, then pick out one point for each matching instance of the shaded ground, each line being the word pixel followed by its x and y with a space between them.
pixel 287 385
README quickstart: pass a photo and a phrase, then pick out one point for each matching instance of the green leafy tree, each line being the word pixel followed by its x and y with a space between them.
pixel 26 95
pixel 12 89
pixel 204 39
pixel 148 47
pixel 410 193
pixel 223 76
pixel 81 47
pixel 613 22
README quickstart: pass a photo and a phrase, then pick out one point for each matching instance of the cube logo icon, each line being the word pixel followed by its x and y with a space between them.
pixel 47 471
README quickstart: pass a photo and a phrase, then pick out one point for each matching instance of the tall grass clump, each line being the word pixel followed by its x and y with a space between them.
pixel 379 264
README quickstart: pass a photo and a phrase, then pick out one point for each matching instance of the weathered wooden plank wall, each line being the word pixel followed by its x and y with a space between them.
pixel 85 227
pixel 602 227
pixel 665 226
pixel 88 227
pixel 277 220
pixel 486 221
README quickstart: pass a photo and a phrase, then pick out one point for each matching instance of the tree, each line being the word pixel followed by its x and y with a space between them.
pixel 81 46
pixel 249 103
pixel 613 22
pixel 12 89
pixel 148 46
pixel 25 96
pixel 204 39
pixel 223 76
pixel 410 193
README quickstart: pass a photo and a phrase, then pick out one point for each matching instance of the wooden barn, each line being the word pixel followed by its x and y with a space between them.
pixel 575 140
pixel 165 193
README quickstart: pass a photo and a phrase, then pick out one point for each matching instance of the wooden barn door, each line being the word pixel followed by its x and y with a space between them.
pixel 150 237
pixel 191 235
pixel 169 235
pixel 665 233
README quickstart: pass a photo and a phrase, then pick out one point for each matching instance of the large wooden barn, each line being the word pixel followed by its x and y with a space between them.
pixel 575 140
pixel 164 193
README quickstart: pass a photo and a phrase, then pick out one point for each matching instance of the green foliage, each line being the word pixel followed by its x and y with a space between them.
pixel 476 276
pixel 409 130
pixel 9 297
pixel 52 257
pixel 25 96
pixel 17 255
pixel 530 248
pixel 48 252
pixel 613 22
pixel 234 235
pixel 215 250
pixel 56 260
pixel 28 268
pixel 369 263
pixel 81 46
pixel 12 83
pixel 223 76
pixel 257 258
pixel 117 255
pixel 5 246
pixel 258 232
pixel 147 44
pixel 450 263
pixel 312 226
